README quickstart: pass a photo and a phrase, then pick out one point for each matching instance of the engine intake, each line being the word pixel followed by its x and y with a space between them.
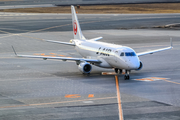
pixel 85 67
pixel 140 66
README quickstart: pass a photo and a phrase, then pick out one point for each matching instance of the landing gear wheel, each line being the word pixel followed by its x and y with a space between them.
pixel 116 70
pixel 126 77
pixel 86 74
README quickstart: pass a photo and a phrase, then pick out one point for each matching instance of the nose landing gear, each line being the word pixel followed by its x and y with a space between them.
pixel 126 76
pixel 120 71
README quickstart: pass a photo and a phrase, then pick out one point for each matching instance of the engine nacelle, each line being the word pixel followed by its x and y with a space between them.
pixel 85 67
pixel 140 66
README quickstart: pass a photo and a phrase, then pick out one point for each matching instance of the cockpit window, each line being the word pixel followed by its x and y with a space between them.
pixel 130 54
pixel 122 54
pixel 133 54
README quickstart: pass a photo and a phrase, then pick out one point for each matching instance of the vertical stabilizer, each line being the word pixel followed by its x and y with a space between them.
pixel 76 27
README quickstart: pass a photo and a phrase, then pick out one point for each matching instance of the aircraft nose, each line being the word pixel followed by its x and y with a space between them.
pixel 133 64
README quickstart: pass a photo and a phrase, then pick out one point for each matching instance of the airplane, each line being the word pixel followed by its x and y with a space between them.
pixel 106 55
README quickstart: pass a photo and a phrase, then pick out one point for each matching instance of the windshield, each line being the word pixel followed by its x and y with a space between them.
pixel 128 54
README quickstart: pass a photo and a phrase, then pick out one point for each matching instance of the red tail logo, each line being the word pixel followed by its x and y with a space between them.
pixel 75 27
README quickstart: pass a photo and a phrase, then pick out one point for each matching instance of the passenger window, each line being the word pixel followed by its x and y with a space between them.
pixel 122 54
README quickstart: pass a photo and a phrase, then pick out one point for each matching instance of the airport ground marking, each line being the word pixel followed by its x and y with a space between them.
pixel 77 96
pixel 53 53
pixel 50 55
pixel 108 73
pixel 52 103
pixel 119 99
pixel 72 96
pixel 70 101
pixel 171 82
pixel 90 95
pixel 151 79
pixel 62 55
pixel 111 73
pixel 157 78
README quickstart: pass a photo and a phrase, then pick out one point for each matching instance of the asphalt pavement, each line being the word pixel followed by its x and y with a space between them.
pixel 53 89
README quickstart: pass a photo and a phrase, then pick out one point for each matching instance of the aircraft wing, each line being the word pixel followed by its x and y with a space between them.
pixel 153 51
pixel 60 58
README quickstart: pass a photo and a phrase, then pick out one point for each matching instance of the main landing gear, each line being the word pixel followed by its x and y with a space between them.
pixel 120 71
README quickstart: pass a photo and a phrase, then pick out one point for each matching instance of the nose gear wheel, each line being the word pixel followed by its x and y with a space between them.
pixel 126 77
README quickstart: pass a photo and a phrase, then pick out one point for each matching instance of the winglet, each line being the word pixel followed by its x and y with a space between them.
pixel 14 51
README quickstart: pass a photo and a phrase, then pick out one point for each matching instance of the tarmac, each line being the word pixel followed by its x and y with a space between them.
pixel 54 89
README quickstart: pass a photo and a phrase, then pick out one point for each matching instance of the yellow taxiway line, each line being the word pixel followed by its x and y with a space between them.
pixel 119 99
pixel 171 81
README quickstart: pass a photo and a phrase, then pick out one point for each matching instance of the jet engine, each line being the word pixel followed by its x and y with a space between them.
pixel 85 67
pixel 140 66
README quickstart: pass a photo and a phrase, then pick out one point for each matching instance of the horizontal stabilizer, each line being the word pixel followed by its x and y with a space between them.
pixel 96 39
pixel 59 42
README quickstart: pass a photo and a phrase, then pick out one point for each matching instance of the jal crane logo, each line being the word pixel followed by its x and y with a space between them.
pixel 75 27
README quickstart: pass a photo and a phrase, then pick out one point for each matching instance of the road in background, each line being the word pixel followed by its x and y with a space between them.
pixel 74 2
pixel 24 22
pixel 42 3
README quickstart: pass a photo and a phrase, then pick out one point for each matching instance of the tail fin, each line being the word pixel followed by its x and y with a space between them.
pixel 76 27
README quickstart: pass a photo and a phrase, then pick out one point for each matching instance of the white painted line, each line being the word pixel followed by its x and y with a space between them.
pixel 88 102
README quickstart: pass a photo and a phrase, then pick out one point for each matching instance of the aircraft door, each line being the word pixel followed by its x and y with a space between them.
pixel 115 56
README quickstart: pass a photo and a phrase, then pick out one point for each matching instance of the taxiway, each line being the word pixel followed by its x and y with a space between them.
pixel 52 89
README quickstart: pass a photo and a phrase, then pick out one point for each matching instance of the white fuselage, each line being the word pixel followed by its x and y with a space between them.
pixel 109 54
